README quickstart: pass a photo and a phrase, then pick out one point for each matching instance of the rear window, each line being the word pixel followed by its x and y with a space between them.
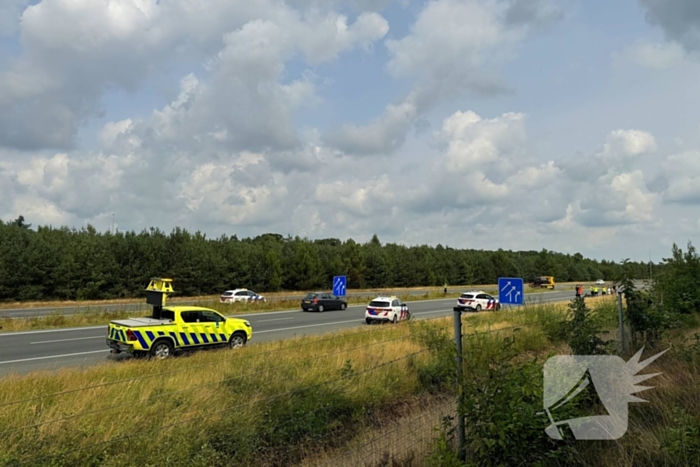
pixel 168 314
pixel 467 295
pixel 227 294
pixel 378 303
pixel 310 295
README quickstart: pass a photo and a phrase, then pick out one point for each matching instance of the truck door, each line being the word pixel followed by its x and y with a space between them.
pixel 187 333
pixel 212 328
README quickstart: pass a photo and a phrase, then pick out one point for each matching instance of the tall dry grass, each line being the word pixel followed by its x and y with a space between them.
pixel 137 411
pixel 147 407
pixel 282 403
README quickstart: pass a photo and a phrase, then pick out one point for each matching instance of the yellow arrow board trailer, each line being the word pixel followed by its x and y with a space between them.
pixel 172 328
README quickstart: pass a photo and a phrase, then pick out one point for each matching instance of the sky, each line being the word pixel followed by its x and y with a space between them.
pixel 568 125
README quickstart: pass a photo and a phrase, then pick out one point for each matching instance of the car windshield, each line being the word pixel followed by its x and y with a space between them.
pixel 467 295
pixel 378 303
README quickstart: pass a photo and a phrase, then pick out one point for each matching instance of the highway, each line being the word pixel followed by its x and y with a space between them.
pixel 22 352
pixel 142 306
pixel 139 306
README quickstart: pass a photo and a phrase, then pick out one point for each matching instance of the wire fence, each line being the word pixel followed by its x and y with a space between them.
pixel 215 362
pixel 406 440
pixel 201 415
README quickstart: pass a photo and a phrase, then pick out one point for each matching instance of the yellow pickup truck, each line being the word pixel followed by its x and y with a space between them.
pixel 179 327
pixel 175 327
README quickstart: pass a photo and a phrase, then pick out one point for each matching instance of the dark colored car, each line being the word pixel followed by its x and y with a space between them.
pixel 321 301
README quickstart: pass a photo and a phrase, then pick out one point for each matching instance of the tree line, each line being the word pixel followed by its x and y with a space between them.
pixel 45 263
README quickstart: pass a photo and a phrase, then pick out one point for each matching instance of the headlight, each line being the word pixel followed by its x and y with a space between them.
pixel 247 323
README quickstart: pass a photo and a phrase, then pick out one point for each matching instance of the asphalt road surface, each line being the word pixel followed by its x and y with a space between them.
pixel 142 306
pixel 22 352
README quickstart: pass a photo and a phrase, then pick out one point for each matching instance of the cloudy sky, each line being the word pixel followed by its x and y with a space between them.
pixel 569 125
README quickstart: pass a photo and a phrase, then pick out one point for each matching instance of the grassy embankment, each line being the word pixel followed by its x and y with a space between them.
pixel 269 404
pixel 308 399
pixel 276 302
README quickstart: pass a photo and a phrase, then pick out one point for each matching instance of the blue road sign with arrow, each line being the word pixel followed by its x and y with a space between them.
pixel 511 291
pixel 339 283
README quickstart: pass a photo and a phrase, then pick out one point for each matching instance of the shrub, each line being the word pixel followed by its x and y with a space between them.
pixel 682 440
pixel 502 403
pixel 647 319
pixel 438 374
pixel 582 330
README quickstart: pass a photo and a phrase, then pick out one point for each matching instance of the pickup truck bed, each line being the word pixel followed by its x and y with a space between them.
pixel 137 322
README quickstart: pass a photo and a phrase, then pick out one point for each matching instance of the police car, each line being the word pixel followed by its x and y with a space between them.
pixel 386 309
pixel 477 301
pixel 240 295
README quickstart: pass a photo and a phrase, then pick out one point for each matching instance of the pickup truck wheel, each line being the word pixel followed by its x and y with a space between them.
pixel 237 340
pixel 162 349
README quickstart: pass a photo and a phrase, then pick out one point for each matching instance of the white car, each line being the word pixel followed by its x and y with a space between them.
pixel 240 295
pixel 477 301
pixel 600 282
pixel 386 309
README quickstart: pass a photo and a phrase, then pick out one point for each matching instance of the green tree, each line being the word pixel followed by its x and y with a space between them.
pixel 273 272
pixel 679 280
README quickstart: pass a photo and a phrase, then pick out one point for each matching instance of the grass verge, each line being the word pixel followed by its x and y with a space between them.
pixel 271 404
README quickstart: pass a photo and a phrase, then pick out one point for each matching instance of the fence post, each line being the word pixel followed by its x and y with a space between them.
pixel 461 436
pixel 623 343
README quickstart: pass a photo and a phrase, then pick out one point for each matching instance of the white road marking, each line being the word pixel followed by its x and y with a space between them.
pixel 265 313
pixel 5 334
pixel 252 315
pixel 67 340
pixel 429 312
pixel 276 319
pixel 54 356
pixel 310 326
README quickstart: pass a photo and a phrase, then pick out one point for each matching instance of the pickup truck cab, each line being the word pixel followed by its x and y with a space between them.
pixel 177 328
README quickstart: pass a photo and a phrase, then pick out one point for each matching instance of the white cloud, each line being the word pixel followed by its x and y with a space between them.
pixel 241 146
pixel 112 130
pixel 57 81
pixel 454 46
pixel 657 56
pixel 473 141
pixel 383 136
pixel 629 143
pixel 681 176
